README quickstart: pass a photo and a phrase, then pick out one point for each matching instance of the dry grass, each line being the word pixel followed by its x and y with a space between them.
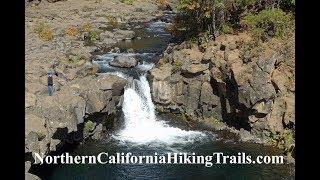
pixel 72 31
pixel 86 27
pixel 43 31
pixel 94 69
pixel 46 34
pixel 162 4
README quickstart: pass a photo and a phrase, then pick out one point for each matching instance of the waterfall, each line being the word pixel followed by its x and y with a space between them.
pixel 141 123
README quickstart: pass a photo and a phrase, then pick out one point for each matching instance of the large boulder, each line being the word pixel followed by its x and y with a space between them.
pixel 34 123
pixel 124 34
pixel 195 68
pixel 123 61
pixel 162 72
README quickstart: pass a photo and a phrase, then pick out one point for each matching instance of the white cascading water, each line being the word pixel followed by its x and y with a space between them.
pixel 141 123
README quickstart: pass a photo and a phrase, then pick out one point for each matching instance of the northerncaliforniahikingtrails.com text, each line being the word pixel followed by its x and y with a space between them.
pixel 168 158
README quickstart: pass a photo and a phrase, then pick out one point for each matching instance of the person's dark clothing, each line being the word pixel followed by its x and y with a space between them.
pixel 50 81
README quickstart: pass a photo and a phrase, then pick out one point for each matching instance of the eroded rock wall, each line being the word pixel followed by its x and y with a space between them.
pixel 253 95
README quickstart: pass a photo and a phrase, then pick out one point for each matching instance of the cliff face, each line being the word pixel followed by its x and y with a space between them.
pixel 253 95
pixel 52 121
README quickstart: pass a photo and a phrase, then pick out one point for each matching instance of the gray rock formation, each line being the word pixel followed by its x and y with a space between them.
pixel 254 97
pixel 123 61
pixel 57 119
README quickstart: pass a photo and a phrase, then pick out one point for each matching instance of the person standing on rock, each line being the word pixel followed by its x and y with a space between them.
pixel 50 84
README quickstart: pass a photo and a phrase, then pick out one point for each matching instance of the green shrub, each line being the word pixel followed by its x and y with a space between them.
pixel 282 140
pixel 193 39
pixel 39 27
pixel 176 66
pixel 226 29
pixel 112 20
pixel 162 61
pixel 88 127
pixel 177 63
pixel 94 35
pixel 41 135
pixel 268 23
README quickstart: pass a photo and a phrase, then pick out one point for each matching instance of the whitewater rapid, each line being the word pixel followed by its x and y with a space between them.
pixel 141 123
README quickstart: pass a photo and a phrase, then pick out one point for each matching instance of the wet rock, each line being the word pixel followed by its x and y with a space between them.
pixel 115 50
pixel 123 61
pixel 245 135
pixel 130 50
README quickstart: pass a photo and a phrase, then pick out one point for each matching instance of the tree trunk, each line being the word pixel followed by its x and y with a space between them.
pixel 213 19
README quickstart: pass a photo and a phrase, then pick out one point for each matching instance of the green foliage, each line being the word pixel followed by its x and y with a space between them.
pixel 162 61
pixel 251 49
pixel 282 140
pixel 213 120
pixel 94 35
pixel 88 127
pixel 226 29
pixel 264 18
pixel 128 2
pixel 71 59
pixel 177 65
pixel 184 117
pixel 40 27
pixel 40 135
pixel 193 39
pixel 112 20
pixel 268 23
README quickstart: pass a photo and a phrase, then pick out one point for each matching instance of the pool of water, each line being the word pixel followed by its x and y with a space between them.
pixel 204 146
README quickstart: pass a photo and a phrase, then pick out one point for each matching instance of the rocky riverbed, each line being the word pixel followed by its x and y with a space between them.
pixel 56 35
